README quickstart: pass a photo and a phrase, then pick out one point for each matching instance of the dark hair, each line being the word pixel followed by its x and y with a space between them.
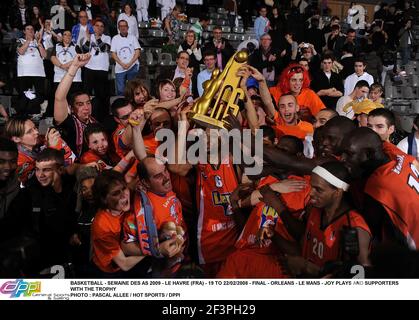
pixel 209 53
pixel 93 128
pixel 142 168
pixel 268 132
pixel 49 154
pixel 28 25
pixel 362 83
pixel 297 143
pixel 339 170
pixel 7 145
pixel 335 27
pixel 180 52
pixel 103 183
pixel 349 48
pixel 130 88
pixel 328 56
pixel 360 59
pixel 350 30
pixel 73 97
pixel 385 113
pixel 204 17
pixel 118 104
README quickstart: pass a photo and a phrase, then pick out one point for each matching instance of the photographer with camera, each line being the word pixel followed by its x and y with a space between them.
pixel 333 234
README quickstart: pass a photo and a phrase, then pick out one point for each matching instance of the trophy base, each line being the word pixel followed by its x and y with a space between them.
pixel 208 122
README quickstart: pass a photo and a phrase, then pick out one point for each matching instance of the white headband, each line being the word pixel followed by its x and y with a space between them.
pixel 333 180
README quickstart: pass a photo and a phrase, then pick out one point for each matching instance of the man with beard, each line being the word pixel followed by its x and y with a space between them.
pixel 391 203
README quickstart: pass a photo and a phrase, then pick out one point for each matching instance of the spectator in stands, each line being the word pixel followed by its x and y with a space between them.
pixel 137 93
pixel 359 93
pixel 62 57
pixel 410 144
pixel 30 65
pixel 36 18
pixel 96 70
pixel 191 46
pixel 182 63
pixel 295 79
pixel 327 29
pixel 314 35
pixel 92 10
pixel 309 52
pixel 73 124
pixel 53 206
pixel 335 41
pixel 267 60
pixel 406 40
pixel 125 50
pixel 19 16
pixel 376 92
pixel 200 26
pixel 262 24
pixel 221 46
pixel 15 213
pixel 231 8
pixel 81 31
pixel 204 75
pixel 347 60
pixel 290 52
pixel 373 62
pixel 358 75
pixel 304 63
pixel 172 24
pixel 278 24
pixel 351 40
pixel 127 15
pixel 327 84
pixel 142 10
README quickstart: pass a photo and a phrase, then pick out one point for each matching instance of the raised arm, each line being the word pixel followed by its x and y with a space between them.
pixel 264 91
pixel 60 103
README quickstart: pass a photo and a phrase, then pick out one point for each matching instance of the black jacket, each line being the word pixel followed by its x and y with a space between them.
pixel 320 82
pixel 256 60
pixel 226 53
pixel 94 8
pixel 15 19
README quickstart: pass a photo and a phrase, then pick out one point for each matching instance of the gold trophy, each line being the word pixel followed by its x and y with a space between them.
pixel 221 94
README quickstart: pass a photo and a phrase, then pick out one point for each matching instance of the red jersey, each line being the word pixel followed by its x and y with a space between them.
pixel 89 156
pixel 393 152
pixel 324 244
pixel 396 186
pixel 106 237
pixel 217 230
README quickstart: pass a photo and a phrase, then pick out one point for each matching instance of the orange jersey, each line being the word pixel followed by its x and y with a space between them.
pixel 151 146
pixel 307 99
pixel 263 214
pixel 120 148
pixel 90 156
pixel 301 130
pixel 217 230
pixel 25 165
pixel 165 208
pixel 323 245
pixel 396 186
pixel 393 152
pixel 106 236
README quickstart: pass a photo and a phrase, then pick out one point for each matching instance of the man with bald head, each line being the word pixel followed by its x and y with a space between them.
pixel 329 147
pixel 391 203
pixel 323 116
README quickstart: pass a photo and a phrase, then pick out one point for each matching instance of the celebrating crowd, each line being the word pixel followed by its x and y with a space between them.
pixel 339 184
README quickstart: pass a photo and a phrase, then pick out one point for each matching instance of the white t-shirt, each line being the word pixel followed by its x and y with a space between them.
pixel 65 55
pixel 404 145
pixel 132 23
pixel 99 60
pixel 352 80
pixel 30 64
pixel 124 47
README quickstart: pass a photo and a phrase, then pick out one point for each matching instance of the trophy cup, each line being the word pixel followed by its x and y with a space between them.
pixel 221 94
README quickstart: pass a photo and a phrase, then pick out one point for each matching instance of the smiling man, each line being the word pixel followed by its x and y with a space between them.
pixel 288 122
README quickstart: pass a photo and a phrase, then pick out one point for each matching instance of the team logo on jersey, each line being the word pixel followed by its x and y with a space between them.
pixel 223 200
pixel 173 212
pixel 269 216
pixel 218 181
